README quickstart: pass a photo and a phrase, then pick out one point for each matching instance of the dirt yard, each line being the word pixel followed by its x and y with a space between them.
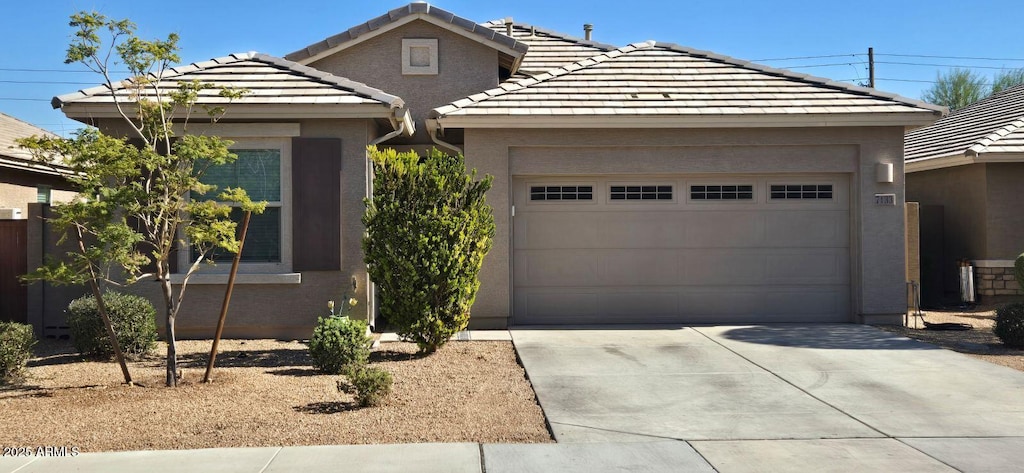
pixel 979 342
pixel 266 394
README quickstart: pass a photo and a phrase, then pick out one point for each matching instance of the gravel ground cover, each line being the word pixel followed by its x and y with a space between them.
pixel 979 342
pixel 266 394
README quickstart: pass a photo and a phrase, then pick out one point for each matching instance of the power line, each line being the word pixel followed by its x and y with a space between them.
pixel 954 57
pixel 938 65
pixel 80 71
pixel 809 57
pixel 22 98
pixel 42 82
pixel 827 65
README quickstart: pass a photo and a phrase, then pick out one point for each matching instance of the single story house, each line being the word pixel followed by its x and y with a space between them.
pixel 636 184
pixel 967 171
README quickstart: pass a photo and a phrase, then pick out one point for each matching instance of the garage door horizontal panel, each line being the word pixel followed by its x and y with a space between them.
pixel 557 230
pixel 722 229
pixel 556 268
pixel 652 229
pixel 807 229
pixel 683 305
pixel 598 268
pixel 809 266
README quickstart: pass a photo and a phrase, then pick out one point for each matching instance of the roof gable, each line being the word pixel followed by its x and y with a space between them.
pixel 511 51
pixel 992 125
pixel 270 80
pixel 661 81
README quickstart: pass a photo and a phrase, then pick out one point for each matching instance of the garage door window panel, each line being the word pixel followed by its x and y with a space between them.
pixel 646 192
pixel 801 191
pixel 548 193
pixel 720 192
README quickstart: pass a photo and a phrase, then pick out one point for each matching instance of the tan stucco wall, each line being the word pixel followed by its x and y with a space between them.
pixel 961 191
pixel 1005 212
pixel 465 67
pixel 280 310
pixel 877 242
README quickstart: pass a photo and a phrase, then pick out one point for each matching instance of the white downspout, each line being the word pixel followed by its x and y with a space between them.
pixel 402 117
pixel 432 129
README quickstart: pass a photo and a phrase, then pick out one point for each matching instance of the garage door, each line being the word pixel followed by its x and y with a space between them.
pixel 691 249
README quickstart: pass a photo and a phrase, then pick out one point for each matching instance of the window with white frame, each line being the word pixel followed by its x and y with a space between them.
pixel 722 192
pixel 263 170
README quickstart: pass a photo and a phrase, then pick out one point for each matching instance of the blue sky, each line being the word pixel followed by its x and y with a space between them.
pixel 35 35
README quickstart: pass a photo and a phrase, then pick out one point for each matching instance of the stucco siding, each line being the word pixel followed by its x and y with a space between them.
pixel 877 248
pixel 1005 213
pixel 465 67
pixel 961 191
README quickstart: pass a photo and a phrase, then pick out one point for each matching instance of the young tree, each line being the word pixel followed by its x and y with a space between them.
pixel 134 204
pixel 428 228
pixel 956 89
pixel 1006 79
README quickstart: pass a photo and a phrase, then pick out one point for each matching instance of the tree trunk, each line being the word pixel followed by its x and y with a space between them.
pixel 102 309
pixel 172 352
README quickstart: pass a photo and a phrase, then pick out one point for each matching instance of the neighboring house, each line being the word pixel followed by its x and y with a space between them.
pixel 967 171
pixel 22 181
pixel 648 183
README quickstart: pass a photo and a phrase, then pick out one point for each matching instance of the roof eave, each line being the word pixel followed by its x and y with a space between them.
pixel 87 111
pixel 961 159
pixel 901 119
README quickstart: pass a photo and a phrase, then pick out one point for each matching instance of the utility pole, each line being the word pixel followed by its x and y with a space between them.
pixel 871 67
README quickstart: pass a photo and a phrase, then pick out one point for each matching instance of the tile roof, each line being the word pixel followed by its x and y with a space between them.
pixel 548 49
pixel 416 10
pixel 12 156
pixel 662 79
pixel 992 125
pixel 270 81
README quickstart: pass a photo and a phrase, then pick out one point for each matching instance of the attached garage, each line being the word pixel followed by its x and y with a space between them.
pixel 684 248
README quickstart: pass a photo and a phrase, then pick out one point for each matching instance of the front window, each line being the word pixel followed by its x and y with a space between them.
pixel 258 171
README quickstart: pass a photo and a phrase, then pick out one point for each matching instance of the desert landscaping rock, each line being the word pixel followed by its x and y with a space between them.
pixel 266 394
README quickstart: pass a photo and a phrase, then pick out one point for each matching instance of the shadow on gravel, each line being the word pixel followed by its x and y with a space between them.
pixel 297 372
pixel 327 407
pixel 251 358
pixel 831 337
pixel 391 355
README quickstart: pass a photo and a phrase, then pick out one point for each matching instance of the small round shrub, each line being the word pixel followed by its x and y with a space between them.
pixel 1009 325
pixel 16 342
pixel 133 318
pixel 339 343
pixel 369 384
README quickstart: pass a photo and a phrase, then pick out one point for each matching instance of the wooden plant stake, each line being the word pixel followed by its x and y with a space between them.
pixel 227 297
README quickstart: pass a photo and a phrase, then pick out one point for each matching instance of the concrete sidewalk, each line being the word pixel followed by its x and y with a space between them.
pixel 973 455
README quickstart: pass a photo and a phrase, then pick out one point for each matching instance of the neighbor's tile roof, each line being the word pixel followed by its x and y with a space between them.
pixel 548 49
pixel 12 156
pixel 416 9
pixel 663 79
pixel 993 125
pixel 270 81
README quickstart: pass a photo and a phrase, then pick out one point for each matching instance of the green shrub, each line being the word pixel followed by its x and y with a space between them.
pixel 370 385
pixel 1009 325
pixel 133 318
pixel 1018 270
pixel 428 230
pixel 16 342
pixel 339 343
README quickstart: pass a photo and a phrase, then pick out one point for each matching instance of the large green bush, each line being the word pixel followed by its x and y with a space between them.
pixel 133 318
pixel 428 230
pixel 338 344
pixel 1009 325
pixel 16 342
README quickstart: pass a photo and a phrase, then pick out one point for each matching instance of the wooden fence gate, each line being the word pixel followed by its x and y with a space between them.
pixel 13 263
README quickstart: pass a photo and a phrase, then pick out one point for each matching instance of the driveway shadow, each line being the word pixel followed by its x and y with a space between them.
pixel 825 336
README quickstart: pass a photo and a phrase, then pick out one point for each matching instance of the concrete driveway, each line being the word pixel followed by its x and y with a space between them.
pixel 773 398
